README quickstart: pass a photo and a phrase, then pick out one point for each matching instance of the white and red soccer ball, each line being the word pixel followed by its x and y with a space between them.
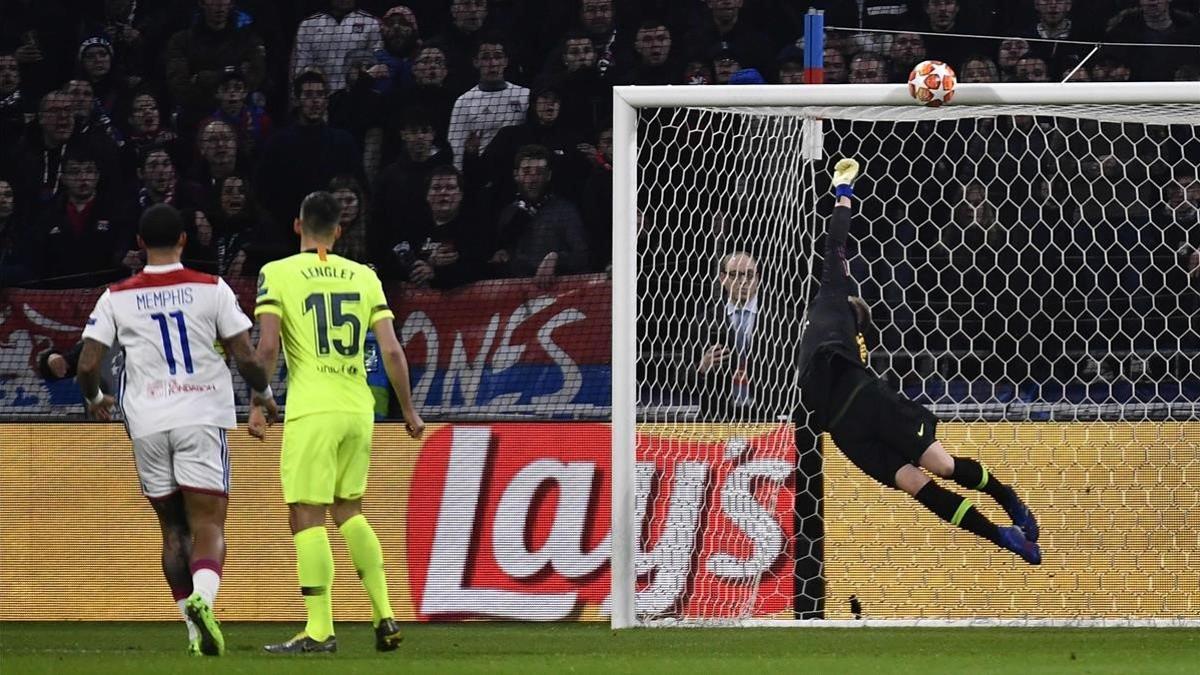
pixel 932 83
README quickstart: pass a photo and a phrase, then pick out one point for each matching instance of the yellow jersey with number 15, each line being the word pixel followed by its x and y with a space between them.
pixel 325 308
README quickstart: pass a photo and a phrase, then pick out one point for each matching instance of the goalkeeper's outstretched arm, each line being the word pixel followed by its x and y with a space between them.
pixel 835 277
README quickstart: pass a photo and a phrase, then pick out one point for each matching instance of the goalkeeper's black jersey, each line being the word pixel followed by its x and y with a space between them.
pixel 830 341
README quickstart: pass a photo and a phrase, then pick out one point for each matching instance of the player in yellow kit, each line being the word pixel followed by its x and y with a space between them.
pixel 322 306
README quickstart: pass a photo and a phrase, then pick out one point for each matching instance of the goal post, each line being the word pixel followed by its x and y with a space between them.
pixel 989 324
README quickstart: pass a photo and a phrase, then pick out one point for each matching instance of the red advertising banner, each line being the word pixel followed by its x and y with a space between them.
pixel 508 347
pixel 512 521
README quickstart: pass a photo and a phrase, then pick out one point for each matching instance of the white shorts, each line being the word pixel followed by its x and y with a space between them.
pixel 193 458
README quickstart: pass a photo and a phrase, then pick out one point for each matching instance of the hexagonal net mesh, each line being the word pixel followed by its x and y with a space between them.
pixel 1027 270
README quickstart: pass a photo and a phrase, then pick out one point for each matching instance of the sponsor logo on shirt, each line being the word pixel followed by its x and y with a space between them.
pixel 164 388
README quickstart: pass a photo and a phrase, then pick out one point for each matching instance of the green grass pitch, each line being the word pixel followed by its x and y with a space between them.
pixel 526 649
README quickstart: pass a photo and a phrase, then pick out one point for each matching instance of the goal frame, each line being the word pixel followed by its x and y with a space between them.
pixel 627 100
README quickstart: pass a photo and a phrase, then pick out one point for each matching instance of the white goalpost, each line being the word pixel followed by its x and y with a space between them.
pixel 1025 254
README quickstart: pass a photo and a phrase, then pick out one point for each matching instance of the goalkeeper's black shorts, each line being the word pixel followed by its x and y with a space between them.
pixel 877 428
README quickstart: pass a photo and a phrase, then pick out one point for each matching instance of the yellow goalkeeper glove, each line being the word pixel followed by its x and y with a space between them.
pixel 844 172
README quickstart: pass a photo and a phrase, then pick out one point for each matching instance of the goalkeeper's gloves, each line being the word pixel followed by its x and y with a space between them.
pixel 844 173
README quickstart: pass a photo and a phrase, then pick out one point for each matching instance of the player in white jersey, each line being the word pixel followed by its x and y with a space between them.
pixel 177 396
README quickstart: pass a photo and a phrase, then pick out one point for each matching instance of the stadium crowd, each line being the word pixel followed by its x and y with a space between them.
pixel 466 139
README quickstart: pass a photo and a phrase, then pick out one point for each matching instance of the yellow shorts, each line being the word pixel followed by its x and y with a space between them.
pixel 325 455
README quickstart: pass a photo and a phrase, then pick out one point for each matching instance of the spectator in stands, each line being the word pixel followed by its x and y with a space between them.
pixel 235 220
pixel 487 107
pixel 325 39
pixel 789 64
pixel 1081 74
pixel 1106 68
pixel 158 179
pixel 300 159
pixel 143 130
pixel 55 365
pixel 96 66
pixel 725 62
pixel 597 201
pixel 539 234
pixel 543 126
pixel 697 72
pixel 596 18
pixel 401 41
pixel 37 158
pixel 1181 201
pixel 723 22
pixel 1031 69
pixel 1010 52
pixel 586 97
pixel 944 16
pixel 218 156
pixel 1187 72
pixel 14 106
pixel 1054 23
pixel 738 362
pixel 400 189
pixel 19 253
pixel 250 122
pixel 353 242
pixel 117 25
pixel 1155 22
pixel 197 56
pixel 442 246
pixel 836 71
pixel 86 235
pixel 908 49
pixel 978 68
pixel 974 221
pixel 654 60
pixel 869 68
pixel 429 90
pixel 461 42
pixel 360 110
pixel 89 117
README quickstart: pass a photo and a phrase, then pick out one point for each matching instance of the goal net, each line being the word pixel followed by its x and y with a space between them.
pixel 1026 254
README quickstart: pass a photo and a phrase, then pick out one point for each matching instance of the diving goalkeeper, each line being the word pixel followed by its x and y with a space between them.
pixel 887 436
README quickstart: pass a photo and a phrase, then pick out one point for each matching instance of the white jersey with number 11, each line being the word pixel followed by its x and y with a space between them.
pixel 167 319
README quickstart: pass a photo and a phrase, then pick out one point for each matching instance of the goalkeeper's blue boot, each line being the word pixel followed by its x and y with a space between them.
pixel 1021 516
pixel 1014 540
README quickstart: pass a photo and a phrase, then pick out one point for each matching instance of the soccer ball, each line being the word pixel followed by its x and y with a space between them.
pixel 932 83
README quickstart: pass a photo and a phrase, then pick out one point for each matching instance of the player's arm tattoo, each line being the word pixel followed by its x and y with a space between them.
pixel 247 362
pixel 88 372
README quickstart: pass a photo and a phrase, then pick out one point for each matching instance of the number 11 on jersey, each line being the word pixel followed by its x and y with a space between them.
pixel 165 328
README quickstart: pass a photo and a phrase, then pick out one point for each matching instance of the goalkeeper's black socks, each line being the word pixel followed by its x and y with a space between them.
pixel 957 511
pixel 971 474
